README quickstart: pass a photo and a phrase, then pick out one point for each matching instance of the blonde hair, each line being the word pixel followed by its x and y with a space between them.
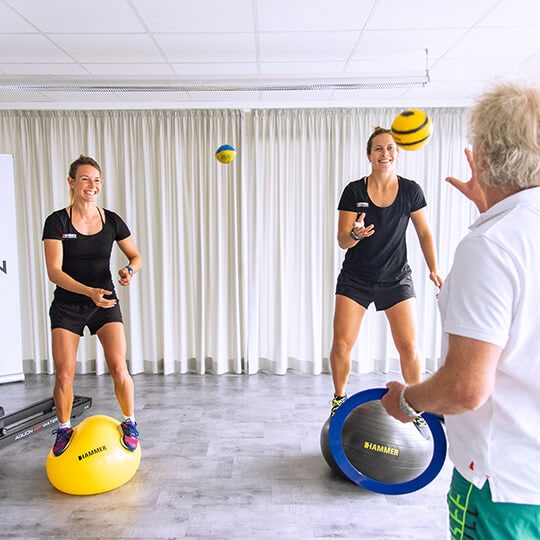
pixel 504 129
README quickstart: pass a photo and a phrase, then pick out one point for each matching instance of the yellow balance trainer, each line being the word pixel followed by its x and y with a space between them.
pixel 95 460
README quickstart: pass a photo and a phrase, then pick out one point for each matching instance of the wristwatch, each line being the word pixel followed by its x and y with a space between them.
pixel 129 269
pixel 354 236
pixel 405 406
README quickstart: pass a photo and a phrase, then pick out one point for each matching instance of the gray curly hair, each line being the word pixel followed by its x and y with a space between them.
pixel 504 129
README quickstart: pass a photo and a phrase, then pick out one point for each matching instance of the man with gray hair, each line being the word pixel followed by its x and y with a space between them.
pixel 488 385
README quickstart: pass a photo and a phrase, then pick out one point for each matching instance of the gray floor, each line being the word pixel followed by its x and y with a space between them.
pixel 222 457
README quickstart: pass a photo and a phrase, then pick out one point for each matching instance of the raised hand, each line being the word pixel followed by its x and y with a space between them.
pixel 470 189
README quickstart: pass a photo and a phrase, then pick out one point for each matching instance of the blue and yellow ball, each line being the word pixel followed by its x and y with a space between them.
pixel 95 460
pixel 412 129
pixel 225 153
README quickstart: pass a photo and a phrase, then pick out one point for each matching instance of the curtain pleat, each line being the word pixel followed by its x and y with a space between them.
pixel 240 259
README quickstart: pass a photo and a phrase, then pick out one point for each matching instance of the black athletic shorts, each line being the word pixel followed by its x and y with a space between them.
pixel 385 295
pixel 74 317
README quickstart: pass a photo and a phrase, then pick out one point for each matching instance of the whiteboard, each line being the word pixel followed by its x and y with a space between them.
pixel 11 362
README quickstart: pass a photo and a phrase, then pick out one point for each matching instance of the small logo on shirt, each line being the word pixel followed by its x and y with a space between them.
pixel 362 205
pixel 68 236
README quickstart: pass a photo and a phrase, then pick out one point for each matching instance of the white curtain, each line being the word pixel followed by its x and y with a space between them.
pixel 240 260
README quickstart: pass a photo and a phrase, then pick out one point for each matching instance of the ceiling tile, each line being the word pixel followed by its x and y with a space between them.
pixel 30 48
pixel 515 13
pixel 11 22
pixel 95 48
pixel 216 68
pixel 422 14
pixel 306 46
pixel 414 66
pixel 498 43
pixel 324 69
pixel 229 48
pixel 129 69
pixel 473 69
pixel 287 15
pixel 527 70
pixel 97 16
pixel 43 69
pixel 459 92
pixel 194 16
pixel 406 44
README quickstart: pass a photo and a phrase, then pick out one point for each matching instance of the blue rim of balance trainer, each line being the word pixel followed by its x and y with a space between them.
pixel 354 475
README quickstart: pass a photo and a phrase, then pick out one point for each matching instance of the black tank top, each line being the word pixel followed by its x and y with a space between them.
pixel 86 258
pixel 381 258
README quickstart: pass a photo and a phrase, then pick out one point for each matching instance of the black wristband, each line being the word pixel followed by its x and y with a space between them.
pixel 354 236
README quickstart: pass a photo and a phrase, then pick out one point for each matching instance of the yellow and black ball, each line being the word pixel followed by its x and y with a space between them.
pixel 412 129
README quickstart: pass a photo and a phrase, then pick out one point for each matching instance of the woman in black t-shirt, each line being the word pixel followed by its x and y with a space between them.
pixel 373 216
pixel 78 241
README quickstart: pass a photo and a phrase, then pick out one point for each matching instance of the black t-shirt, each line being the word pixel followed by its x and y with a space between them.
pixel 382 257
pixel 86 258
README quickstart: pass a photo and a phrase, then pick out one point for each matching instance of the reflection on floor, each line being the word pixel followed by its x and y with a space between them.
pixel 223 457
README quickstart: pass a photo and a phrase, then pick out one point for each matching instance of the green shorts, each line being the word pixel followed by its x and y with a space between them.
pixel 474 516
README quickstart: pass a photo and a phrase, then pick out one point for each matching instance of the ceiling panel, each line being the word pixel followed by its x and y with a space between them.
pixel 287 15
pixel 406 43
pixel 70 69
pixel 216 68
pixel 307 69
pixel 30 48
pixel 205 16
pixel 422 14
pixel 212 47
pixel 476 69
pixel 129 48
pixel 306 46
pixel 132 70
pixel 390 66
pixel 11 22
pixel 514 14
pixel 75 16
pixel 498 43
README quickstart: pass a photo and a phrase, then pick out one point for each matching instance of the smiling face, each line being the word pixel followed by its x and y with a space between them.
pixel 384 152
pixel 86 186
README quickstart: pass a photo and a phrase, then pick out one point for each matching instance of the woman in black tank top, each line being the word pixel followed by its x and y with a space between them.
pixel 374 213
pixel 78 242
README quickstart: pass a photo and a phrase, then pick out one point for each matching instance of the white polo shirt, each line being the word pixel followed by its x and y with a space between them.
pixel 492 294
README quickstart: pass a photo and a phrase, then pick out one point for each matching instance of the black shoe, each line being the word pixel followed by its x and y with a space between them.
pixel 336 402
pixel 421 425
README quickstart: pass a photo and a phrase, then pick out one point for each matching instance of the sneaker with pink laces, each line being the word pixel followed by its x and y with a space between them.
pixel 130 435
pixel 63 438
